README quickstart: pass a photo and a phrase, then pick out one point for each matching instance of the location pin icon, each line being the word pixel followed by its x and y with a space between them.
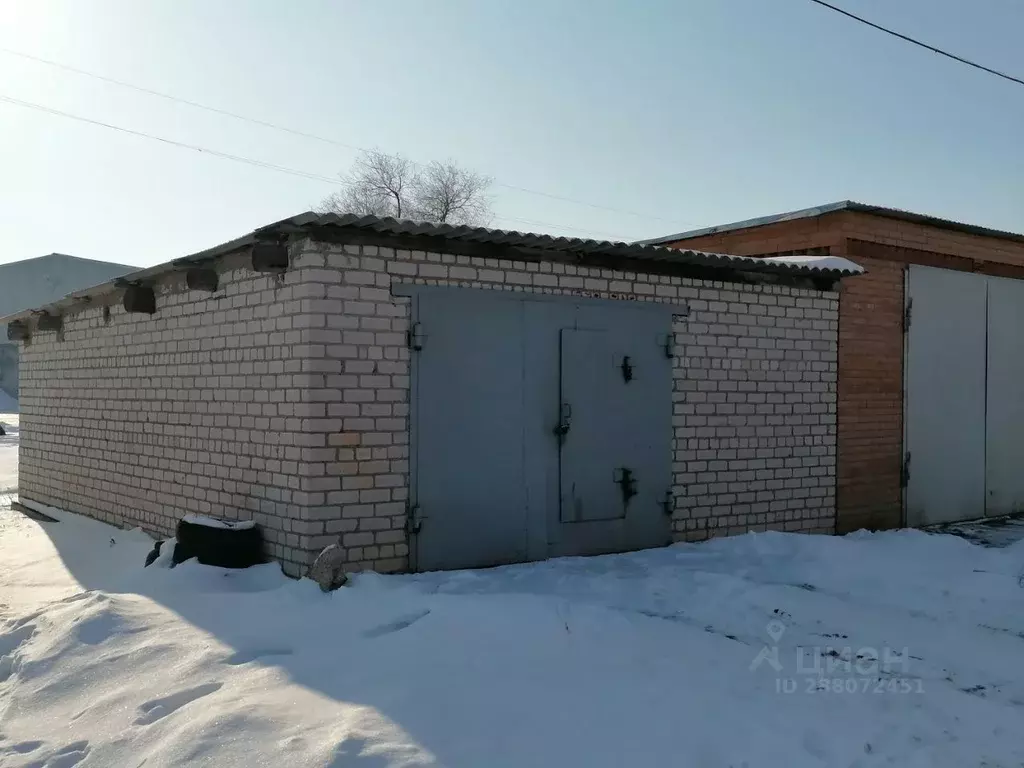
pixel 775 630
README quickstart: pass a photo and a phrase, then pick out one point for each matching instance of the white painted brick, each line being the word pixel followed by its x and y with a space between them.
pixel 316 362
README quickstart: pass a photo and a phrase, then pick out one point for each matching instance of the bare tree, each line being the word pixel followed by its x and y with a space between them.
pixel 381 184
pixel 378 184
pixel 446 193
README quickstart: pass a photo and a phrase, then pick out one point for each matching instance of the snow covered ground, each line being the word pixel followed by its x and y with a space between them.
pixel 897 649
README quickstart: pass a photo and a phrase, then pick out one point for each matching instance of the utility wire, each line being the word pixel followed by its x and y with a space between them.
pixel 172 142
pixel 240 159
pixel 303 134
pixel 927 47
pixel 169 97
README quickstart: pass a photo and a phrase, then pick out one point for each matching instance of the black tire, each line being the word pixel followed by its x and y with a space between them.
pixel 225 547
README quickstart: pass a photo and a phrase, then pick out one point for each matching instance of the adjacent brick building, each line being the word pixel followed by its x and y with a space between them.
pixel 370 381
pixel 873 462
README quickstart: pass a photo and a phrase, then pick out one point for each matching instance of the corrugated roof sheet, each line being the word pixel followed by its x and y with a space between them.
pixel 844 205
pixel 639 251
pixel 446 233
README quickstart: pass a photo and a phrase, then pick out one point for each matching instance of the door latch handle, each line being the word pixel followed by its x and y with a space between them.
pixel 564 420
pixel 413 521
pixel 626 480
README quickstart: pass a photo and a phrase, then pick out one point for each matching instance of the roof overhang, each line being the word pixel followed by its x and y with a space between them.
pixel 442 237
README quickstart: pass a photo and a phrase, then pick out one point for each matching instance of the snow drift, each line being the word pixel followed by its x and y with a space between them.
pixel 641 659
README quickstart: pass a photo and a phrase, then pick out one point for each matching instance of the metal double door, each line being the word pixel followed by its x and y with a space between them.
pixel 964 396
pixel 541 427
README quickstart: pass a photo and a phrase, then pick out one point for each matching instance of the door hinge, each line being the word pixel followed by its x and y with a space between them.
pixel 667 503
pixel 905 471
pixel 670 345
pixel 414 337
pixel 564 422
pixel 413 519
pixel 907 310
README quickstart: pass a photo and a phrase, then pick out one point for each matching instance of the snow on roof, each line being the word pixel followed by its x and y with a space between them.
pixel 824 263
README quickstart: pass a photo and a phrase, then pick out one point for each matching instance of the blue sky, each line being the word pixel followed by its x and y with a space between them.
pixel 693 113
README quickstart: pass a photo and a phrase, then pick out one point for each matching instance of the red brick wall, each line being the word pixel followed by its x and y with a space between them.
pixel 870 391
pixel 919 237
pixel 870 412
pixel 800 234
pixel 834 229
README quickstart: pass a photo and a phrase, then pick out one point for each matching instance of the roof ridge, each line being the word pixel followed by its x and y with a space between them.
pixel 57 254
pixel 842 205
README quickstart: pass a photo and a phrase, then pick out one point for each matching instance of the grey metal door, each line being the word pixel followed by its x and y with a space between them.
pixel 615 411
pixel 945 395
pixel 586 430
pixel 493 481
pixel 470 487
pixel 1004 438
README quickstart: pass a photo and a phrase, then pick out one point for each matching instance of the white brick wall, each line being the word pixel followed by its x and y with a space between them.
pixel 199 408
pixel 755 412
pixel 286 399
pixel 755 383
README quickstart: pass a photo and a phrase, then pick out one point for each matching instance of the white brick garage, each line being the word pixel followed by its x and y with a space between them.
pixel 285 395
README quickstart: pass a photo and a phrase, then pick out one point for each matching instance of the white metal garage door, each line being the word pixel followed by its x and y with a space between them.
pixel 945 396
pixel 964 399
pixel 1004 444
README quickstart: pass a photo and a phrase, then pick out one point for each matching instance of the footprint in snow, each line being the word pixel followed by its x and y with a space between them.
pixel 11 641
pixel 351 750
pixel 395 626
pixel 100 628
pixel 10 646
pixel 157 709
pixel 22 747
pixel 65 757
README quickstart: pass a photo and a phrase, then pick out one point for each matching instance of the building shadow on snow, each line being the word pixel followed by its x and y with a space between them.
pixel 412 655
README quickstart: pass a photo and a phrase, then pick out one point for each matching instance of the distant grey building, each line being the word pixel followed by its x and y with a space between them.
pixel 32 282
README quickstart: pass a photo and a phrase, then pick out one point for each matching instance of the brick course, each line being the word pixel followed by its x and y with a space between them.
pixel 286 399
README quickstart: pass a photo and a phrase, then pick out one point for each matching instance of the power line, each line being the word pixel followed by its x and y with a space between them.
pixel 172 142
pixel 169 97
pixel 304 134
pixel 239 158
pixel 931 48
